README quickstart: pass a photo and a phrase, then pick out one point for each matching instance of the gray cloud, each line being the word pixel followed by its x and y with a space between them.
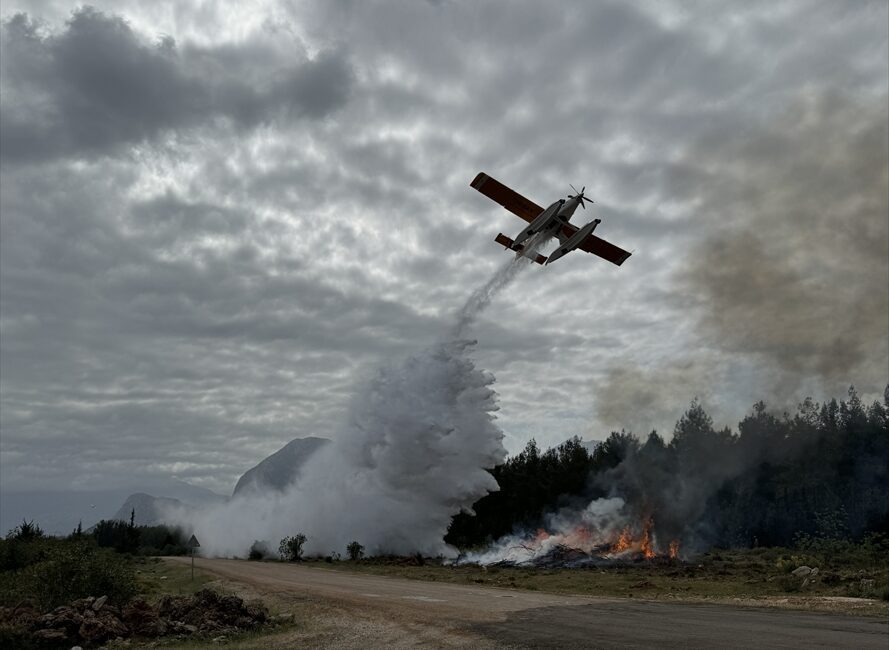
pixel 98 84
pixel 204 257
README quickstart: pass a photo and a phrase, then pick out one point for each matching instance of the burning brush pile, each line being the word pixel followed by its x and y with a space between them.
pixel 599 535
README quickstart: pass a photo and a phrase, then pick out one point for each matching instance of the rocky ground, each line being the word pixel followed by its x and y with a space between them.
pixel 90 622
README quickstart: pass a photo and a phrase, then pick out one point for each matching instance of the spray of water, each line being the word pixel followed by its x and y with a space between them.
pixel 414 451
pixel 481 297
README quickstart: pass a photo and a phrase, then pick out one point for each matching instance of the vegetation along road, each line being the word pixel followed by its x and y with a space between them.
pixel 482 616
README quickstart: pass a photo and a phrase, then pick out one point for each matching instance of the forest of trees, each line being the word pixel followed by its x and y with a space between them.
pixel 821 472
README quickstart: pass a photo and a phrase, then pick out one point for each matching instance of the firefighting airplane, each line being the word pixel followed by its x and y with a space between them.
pixel 554 221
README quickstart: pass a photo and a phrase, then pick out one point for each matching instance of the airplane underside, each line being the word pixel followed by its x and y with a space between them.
pixel 544 224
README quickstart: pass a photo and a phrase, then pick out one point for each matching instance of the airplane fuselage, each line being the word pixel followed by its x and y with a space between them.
pixel 550 220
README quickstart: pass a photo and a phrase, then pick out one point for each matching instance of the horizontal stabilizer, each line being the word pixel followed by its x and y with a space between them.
pixel 506 242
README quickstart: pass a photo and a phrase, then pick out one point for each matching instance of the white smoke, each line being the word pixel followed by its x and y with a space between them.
pixel 414 451
pixel 592 530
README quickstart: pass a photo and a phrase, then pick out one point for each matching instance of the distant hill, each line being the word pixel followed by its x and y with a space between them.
pixel 58 512
pixel 147 508
pixel 281 468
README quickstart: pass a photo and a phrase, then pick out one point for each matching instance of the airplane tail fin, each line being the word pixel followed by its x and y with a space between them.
pixel 506 242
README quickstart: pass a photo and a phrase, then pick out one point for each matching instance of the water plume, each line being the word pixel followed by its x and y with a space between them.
pixel 480 298
pixel 413 451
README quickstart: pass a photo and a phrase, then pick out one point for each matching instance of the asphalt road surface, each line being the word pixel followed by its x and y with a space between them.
pixel 530 619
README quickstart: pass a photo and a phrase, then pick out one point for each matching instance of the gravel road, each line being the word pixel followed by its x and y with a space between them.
pixel 513 618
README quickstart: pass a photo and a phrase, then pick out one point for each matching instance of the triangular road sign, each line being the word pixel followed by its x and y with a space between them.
pixel 193 542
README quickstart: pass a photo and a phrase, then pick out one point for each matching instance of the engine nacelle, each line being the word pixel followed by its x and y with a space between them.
pixel 573 241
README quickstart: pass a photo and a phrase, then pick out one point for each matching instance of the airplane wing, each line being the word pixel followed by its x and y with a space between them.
pixel 598 246
pixel 509 199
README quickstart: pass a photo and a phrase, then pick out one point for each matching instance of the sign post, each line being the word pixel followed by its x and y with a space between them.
pixel 192 544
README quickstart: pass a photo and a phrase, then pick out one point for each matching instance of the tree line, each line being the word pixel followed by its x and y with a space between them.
pixel 821 472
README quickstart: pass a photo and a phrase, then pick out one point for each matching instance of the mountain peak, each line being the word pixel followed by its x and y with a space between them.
pixel 281 468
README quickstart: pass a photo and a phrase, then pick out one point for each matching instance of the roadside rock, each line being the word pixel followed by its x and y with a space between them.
pixel 91 621
pixel 801 571
pixel 61 618
pixel 51 636
pixel 99 629
pixel 142 619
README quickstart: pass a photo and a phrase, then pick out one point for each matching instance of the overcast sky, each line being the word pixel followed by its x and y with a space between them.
pixel 216 217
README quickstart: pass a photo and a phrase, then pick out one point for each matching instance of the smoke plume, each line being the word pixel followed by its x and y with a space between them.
pixel 786 284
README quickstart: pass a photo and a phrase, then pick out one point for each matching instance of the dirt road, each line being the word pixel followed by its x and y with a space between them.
pixel 471 616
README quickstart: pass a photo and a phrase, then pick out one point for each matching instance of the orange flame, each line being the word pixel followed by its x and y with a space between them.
pixel 647 551
pixel 674 549
pixel 623 542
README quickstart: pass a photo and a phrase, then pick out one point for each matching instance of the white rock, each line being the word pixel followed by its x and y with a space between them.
pixel 801 571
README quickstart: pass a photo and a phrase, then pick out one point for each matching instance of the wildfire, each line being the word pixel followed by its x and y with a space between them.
pixel 585 544
pixel 674 549
pixel 647 551
pixel 582 537
pixel 623 542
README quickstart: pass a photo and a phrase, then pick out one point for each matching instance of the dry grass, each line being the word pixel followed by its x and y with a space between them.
pixel 758 577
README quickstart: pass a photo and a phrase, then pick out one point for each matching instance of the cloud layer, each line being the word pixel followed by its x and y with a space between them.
pixel 217 217
pixel 97 85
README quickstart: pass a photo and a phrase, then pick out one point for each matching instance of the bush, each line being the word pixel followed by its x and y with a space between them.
pixel 259 550
pixel 67 570
pixel 161 540
pixel 291 548
pixel 27 531
pixel 16 554
pixel 788 564
pixel 789 583
pixel 831 579
pixel 16 637
pixel 355 551
pixel 119 535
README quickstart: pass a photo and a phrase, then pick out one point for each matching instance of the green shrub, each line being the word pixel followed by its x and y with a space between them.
pixel 16 554
pixel 291 548
pixel 26 531
pixel 161 540
pixel 789 583
pixel 259 550
pixel 119 535
pixel 16 637
pixel 355 551
pixel 831 579
pixel 788 564
pixel 68 570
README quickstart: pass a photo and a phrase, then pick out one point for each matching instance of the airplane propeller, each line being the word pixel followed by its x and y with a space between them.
pixel 579 195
